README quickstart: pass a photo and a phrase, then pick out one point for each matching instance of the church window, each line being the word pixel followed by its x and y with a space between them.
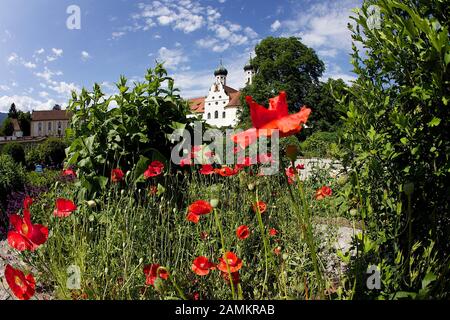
pixel 216 115
pixel 224 114
pixel 209 115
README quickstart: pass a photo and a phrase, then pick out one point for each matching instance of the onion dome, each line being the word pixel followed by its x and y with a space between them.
pixel 221 71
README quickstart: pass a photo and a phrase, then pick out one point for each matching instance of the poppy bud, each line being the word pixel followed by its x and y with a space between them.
pixel 91 204
pixel 292 152
pixel 141 260
pixel 251 186
pixel 214 203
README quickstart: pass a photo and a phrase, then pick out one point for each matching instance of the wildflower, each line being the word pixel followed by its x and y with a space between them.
pixel 300 166
pixel 261 206
pixel 154 271
pixel 196 296
pixel 185 162
pixel 25 235
pixel 201 266
pixel 64 208
pixel 154 169
pixel 291 174
pixel 242 232
pixel 277 251
pixel 23 287
pixel 273 232
pixel 207 169
pixel 197 209
pixel 226 171
pixel 267 120
pixel 117 175
pixel 323 193
pixel 69 173
pixel 234 263
pixel 153 190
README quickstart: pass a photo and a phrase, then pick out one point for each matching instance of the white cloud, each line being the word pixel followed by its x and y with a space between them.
pixel 85 55
pixel 26 103
pixel 13 57
pixel 29 65
pixel 275 26
pixel 57 53
pixel 172 58
pixel 64 88
pixel 43 94
pixel 4 87
pixel 47 74
pixel 118 34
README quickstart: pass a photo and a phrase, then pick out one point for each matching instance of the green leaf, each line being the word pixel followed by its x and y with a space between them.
pixel 435 122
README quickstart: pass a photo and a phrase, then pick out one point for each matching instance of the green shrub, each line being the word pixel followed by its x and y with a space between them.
pixel 53 151
pixel 34 156
pixel 16 151
pixel 44 179
pixel 105 138
pixel 12 178
pixel 320 145
pixel 396 127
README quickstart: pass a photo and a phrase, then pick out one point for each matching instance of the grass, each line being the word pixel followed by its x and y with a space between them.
pixel 129 228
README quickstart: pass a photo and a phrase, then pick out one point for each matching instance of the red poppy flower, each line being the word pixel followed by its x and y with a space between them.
pixel 196 296
pixel 69 173
pixel 261 205
pixel 64 208
pixel 234 263
pixel 234 277
pixel 265 158
pixel 25 235
pixel 117 175
pixel 245 162
pixel 291 173
pixel 152 272
pixel 209 154
pixel 227 171
pixel 300 166
pixel 201 266
pixel 273 232
pixel 207 169
pixel 200 207
pixel 323 193
pixel 23 287
pixel 185 162
pixel 277 251
pixel 276 117
pixel 242 232
pixel 154 169
pixel 27 202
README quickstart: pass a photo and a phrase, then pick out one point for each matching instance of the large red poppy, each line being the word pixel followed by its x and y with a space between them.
pixel 152 272
pixel 234 263
pixel 22 286
pixel 154 169
pixel 25 235
pixel 201 266
pixel 117 175
pixel 267 120
pixel 323 193
pixel 64 208
pixel 242 232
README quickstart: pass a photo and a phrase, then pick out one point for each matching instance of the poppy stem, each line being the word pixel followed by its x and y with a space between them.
pixel 263 235
pixel 222 239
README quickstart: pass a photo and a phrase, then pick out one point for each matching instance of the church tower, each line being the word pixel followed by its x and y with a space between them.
pixel 250 72
pixel 221 74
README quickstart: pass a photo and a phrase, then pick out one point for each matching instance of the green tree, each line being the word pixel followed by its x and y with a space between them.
pixel 282 64
pixel 24 119
pixel 12 113
pixel 7 128
pixel 15 151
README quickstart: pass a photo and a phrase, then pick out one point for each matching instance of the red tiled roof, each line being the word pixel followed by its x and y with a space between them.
pixel 51 115
pixel 197 104
pixel 235 99
pixel 229 90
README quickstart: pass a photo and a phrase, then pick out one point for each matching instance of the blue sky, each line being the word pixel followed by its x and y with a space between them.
pixel 41 60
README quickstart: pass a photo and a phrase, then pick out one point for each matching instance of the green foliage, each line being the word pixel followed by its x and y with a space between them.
pixel 321 145
pixel 24 119
pixel 16 151
pixel 283 64
pixel 12 177
pixel 396 127
pixel 51 153
pixel 104 138
pixel 7 128
pixel 43 179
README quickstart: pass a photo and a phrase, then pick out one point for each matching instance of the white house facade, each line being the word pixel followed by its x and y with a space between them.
pixel 220 107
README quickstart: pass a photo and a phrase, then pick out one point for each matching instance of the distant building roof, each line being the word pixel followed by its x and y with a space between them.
pixel 16 125
pixel 197 105
pixel 235 99
pixel 51 115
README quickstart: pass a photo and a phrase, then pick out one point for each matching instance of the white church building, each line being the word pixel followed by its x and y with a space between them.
pixel 220 107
